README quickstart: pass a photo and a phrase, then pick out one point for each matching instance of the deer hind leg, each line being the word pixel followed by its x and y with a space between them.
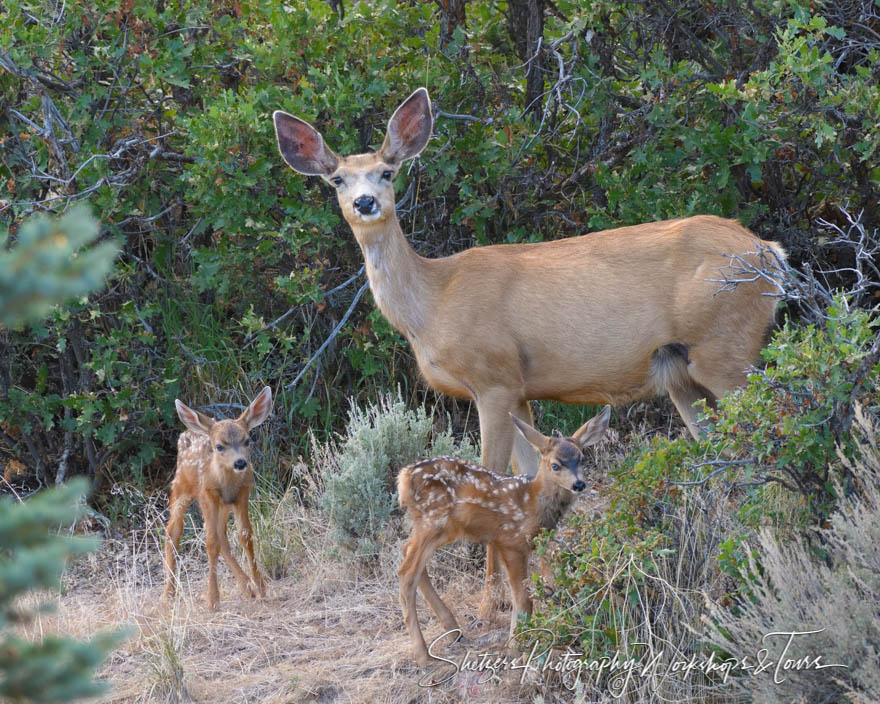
pixel 438 606
pixel 719 361
pixel 416 552
pixel 257 586
pixel 671 368
pixel 720 368
pixel 178 502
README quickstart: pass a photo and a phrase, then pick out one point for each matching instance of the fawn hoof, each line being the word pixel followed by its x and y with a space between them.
pixel 490 607
pixel 167 597
pixel 256 590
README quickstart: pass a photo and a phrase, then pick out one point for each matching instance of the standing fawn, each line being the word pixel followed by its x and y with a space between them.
pixel 605 317
pixel 213 467
pixel 450 499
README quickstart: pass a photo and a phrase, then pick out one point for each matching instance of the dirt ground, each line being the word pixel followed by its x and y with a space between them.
pixel 326 632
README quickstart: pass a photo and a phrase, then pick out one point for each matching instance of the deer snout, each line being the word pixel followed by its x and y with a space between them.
pixel 578 486
pixel 365 205
pixel 240 465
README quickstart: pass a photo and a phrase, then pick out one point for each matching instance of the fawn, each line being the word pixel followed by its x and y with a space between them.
pixel 450 499
pixel 213 467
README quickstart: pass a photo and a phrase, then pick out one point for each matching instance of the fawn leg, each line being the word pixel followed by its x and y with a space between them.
pixel 225 550
pixel 246 538
pixel 416 553
pixel 178 503
pixel 209 503
pixel 516 562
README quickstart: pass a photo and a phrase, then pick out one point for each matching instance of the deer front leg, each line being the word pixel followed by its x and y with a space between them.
pixel 225 550
pixel 496 434
pixel 516 562
pixel 210 506
pixel 246 539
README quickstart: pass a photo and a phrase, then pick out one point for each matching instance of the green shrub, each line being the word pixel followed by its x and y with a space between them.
pixel 380 439
pixel 673 536
pixel 837 595
pixel 49 263
pixel 32 557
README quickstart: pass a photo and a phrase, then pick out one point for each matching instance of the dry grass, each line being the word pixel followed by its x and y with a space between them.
pixel 326 632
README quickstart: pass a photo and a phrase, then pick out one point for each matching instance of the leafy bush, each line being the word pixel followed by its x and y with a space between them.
pixel 32 557
pixel 837 596
pixel 42 270
pixel 233 268
pixel 360 495
pixel 637 580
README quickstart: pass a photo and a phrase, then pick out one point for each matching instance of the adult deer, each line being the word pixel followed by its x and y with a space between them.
pixel 450 499
pixel 606 317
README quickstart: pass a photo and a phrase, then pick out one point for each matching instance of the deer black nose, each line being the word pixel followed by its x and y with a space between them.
pixel 578 486
pixel 365 205
pixel 240 464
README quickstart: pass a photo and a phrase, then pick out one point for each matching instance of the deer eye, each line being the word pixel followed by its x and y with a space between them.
pixel 554 467
pixel 336 180
pixel 386 175
pixel 247 443
pixel 219 448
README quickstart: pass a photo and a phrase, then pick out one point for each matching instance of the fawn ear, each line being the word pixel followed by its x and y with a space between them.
pixel 592 431
pixel 409 129
pixel 259 409
pixel 199 423
pixel 302 146
pixel 535 439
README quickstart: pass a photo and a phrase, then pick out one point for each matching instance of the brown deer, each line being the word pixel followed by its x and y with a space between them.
pixel 213 466
pixel 607 317
pixel 450 499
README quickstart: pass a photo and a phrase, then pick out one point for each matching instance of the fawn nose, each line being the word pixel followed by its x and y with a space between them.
pixel 578 486
pixel 240 465
pixel 365 205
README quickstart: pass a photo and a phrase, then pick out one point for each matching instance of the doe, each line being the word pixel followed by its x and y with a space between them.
pixel 213 466
pixel 450 499
pixel 604 317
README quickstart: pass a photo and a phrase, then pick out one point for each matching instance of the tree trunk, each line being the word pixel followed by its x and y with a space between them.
pixel 525 23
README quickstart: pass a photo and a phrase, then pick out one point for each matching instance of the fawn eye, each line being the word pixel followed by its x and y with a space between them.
pixel 219 448
pixel 336 180
pixel 386 175
pixel 554 467
pixel 247 443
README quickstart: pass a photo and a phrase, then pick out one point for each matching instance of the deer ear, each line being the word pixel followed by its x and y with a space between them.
pixel 534 438
pixel 592 431
pixel 199 423
pixel 409 129
pixel 302 146
pixel 259 409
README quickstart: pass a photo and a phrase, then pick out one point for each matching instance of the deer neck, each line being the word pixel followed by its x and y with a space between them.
pixel 553 501
pixel 399 278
